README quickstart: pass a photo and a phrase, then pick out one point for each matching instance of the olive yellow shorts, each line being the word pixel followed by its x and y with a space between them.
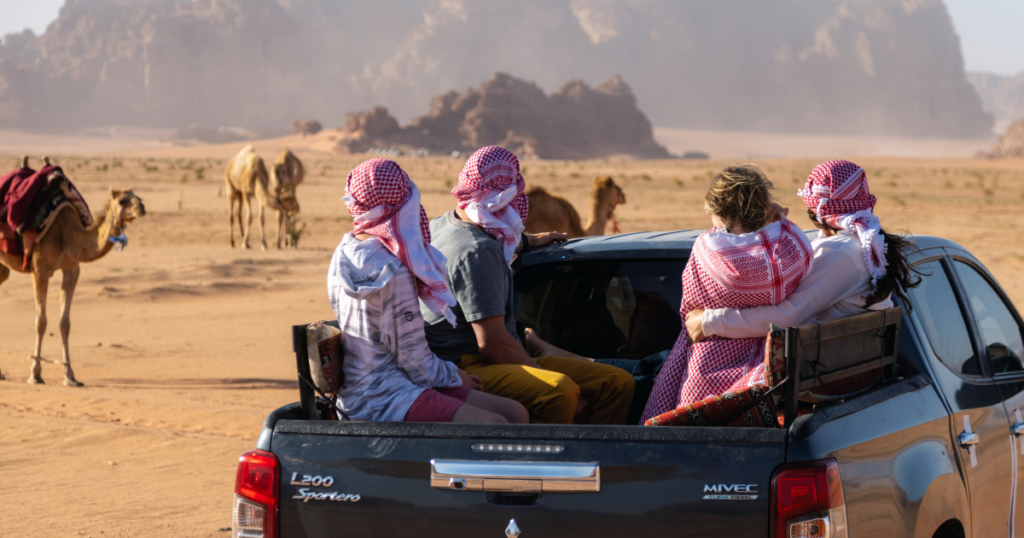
pixel 550 392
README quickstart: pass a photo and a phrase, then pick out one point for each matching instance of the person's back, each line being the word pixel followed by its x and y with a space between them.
pixel 476 268
pixel 378 275
pixel 745 261
pixel 479 240
pixel 857 266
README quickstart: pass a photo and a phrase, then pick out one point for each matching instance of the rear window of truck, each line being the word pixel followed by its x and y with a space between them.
pixel 603 309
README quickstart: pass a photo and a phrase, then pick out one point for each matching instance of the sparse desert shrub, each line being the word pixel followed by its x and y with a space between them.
pixel 102 168
pixel 152 168
pixel 199 170
pixel 645 177
pixel 948 184
pixel 115 163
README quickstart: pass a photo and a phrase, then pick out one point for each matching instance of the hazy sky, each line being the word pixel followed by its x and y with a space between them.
pixel 990 30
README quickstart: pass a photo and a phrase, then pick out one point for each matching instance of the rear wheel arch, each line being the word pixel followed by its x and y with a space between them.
pixel 952 528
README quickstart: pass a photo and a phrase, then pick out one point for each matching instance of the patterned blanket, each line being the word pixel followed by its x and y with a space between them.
pixel 32 201
pixel 728 271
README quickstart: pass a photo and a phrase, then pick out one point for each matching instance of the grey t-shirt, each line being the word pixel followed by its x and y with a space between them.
pixel 480 280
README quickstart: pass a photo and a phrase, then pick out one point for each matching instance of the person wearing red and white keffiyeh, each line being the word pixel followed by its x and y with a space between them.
pixel 479 239
pixel 380 274
pixel 737 269
pixel 491 193
pixel 857 266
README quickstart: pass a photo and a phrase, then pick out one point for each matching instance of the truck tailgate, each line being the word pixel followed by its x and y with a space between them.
pixel 665 481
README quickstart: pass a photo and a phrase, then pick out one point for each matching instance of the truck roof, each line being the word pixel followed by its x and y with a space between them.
pixel 648 245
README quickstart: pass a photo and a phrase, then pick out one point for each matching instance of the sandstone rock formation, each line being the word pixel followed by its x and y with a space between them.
pixel 1003 96
pixel 844 66
pixel 576 122
pixel 1011 144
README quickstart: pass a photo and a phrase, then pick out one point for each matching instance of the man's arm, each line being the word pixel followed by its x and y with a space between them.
pixel 496 345
pixel 542 240
pixel 833 277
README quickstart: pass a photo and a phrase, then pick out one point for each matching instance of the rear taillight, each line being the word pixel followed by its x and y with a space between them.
pixel 808 501
pixel 254 514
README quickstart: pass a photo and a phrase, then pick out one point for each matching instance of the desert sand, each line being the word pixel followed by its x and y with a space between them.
pixel 183 343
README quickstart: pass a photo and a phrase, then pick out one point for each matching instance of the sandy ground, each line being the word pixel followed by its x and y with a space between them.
pixel 184 346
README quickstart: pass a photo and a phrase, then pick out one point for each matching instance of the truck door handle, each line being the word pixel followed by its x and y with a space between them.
pixel 515 476
pixel 968 439
pixel 1017 429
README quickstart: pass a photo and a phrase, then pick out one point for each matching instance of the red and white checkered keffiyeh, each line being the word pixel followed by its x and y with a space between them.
pixel 728 271
pixel 837 191
pixel 490 190
pixel 384 203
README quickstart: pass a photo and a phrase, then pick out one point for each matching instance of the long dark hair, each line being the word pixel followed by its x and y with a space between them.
pixel 899 276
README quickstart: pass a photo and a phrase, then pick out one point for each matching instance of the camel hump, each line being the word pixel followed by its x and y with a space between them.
pixel 24 162
pixel 537 190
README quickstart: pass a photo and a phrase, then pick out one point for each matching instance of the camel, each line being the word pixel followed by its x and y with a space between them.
pixel 551 212
pixel 64 246
pixel 246 176
pixel 287 173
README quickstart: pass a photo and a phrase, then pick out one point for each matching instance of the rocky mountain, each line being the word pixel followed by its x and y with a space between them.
pixel 838 66
pixel 575 122
pixel 1011 143
pixel 1002 96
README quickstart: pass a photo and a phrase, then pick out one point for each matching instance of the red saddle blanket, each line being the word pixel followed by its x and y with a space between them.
pixel 31 201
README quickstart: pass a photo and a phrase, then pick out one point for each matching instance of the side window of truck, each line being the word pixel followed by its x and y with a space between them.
pixel 936 306
pixel 1000 332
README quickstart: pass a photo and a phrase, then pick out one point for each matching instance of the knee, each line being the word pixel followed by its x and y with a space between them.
pixel 487 417
pixel 623 381
pixel 517 413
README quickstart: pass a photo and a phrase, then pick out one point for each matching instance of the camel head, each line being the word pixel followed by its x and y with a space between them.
pixel 284 189
pixel 606 192
pixel 127 206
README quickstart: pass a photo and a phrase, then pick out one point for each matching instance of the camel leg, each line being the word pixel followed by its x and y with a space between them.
pixel 67 291
pixel 231 217
pixel 40 281
pixel 263 237
pixel 280 233
pixel 4 273
pixel 247 200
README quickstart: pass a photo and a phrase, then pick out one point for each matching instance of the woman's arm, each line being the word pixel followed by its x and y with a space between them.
pixel 833 277
pixel 410 341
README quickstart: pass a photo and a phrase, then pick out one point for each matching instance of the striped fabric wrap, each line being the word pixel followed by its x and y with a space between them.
pixel 728 271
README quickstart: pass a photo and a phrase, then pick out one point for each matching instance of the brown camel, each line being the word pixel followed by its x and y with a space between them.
pixel 67 244
pixel 287 173
pixel 246 176
pixel 551 212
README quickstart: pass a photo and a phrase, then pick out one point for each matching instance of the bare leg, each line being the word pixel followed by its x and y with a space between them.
pixel 247 200
pixel 537 347
pixel 40 282
pixel 263 237
pixel 471 415
pixel 67 292
pixel 512 411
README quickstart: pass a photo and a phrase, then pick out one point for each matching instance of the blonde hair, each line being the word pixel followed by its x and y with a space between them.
pixel 741 195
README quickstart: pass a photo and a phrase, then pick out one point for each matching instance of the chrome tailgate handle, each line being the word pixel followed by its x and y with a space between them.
pixel 968 439
pixel 515 476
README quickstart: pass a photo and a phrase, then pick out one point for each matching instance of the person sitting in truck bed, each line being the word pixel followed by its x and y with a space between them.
pixel 857 265
pixel 479 240
pixel 379 273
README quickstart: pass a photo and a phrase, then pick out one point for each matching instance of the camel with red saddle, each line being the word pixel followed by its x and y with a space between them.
pixel 63 245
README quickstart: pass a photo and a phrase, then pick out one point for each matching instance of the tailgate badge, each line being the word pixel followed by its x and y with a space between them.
pixel 730 492
pixel 512 531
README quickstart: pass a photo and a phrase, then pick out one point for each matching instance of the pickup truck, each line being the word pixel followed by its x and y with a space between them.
pixel 929 451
